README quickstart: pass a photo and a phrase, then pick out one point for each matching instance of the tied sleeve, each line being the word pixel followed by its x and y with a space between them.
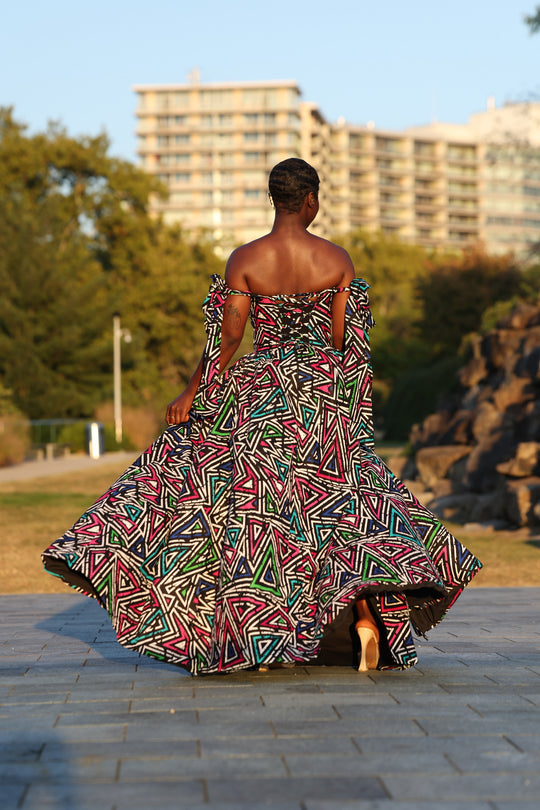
pixel 210 391
pixel 357 366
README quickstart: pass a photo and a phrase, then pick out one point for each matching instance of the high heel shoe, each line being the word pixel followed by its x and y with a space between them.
pixel 369 645
pixel 368 633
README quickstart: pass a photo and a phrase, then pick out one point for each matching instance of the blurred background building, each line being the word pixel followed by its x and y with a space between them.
pixel 439 185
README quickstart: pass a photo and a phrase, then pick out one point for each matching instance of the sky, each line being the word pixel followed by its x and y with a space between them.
pixel 397 63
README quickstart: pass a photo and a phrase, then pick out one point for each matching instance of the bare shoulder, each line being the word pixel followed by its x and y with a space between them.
pixel 339 258
pixel 239 263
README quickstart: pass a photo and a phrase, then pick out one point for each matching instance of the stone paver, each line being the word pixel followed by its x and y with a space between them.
pixel 85 723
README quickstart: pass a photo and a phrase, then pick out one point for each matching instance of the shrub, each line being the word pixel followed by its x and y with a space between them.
pixel 14 439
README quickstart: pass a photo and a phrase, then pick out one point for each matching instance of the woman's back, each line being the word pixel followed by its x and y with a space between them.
pixel 289 260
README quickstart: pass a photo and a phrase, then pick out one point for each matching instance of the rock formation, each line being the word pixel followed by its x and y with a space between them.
pixel 477 459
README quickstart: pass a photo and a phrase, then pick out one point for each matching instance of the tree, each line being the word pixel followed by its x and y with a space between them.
pixel 77 243
pixel 456 293
pixel 533 21
pixel 52 290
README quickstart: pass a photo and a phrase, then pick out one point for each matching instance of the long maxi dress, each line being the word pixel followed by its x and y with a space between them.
pixel 246 535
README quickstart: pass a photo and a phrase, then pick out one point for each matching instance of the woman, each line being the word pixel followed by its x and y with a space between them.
pixel 261 528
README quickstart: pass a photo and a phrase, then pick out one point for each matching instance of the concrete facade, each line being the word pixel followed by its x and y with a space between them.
pixel 440 185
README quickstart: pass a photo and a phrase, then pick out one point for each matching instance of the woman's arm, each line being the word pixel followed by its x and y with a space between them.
pixel 235 315
pixel 339 303
pixel 178 409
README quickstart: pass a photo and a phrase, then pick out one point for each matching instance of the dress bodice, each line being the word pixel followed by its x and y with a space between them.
pixel 279 319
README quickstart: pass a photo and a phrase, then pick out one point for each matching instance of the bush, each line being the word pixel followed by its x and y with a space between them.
pixel 140 426
pixel 415 394
pixel 14 439
pixel 74 436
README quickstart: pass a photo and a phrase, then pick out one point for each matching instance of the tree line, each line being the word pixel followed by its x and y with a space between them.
pixel 77 244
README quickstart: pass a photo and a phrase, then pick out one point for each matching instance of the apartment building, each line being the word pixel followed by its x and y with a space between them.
pixel 440 185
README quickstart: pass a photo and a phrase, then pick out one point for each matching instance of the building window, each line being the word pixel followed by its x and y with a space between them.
pixel 251 136
pixel 179 139
pixel 424 149
pixel 458 152
pixel 162 101
pixel 182 177
pixel 180 99
pixel 207 138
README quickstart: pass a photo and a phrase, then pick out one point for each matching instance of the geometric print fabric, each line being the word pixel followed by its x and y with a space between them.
pixel 237 537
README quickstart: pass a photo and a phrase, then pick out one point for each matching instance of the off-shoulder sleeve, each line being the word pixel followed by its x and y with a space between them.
pixel 357 361
pixel 209 392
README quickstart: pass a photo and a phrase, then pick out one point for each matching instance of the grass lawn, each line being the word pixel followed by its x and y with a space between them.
pixel 35 513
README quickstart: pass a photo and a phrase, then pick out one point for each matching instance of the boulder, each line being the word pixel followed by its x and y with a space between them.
pixel 456 507
pixel 442 488
pixel 427 433
pixel 486 419
pixel 528 365
pixel 479 455
pixel 515 390
pixel 500 347
pixel 487 507
pixel 481 473
pixel 531 420
pixel 397 464
pixel 525 462
pixel 521 500
pixel 522 315
pixel 434 462
pixel 471 374
pixel 459 428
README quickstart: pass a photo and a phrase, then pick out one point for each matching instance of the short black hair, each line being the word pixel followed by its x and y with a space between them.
pixel 290 181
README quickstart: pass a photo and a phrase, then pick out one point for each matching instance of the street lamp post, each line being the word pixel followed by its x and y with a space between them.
pixel 118 334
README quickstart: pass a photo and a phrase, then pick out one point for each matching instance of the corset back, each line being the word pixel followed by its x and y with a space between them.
pixel 279 319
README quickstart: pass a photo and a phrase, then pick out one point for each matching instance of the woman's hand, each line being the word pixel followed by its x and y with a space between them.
pixel 178 409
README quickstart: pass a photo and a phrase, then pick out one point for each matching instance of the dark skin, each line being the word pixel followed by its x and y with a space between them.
pixel 286 261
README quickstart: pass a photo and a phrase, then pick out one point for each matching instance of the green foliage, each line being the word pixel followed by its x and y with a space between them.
pixel 457 292
pixel 417 393
pixel 393 269
pixel 77 243
pixel 424 306
pixel 533 21
pixel 529 286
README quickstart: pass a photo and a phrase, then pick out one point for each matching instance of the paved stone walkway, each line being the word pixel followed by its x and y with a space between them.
pixel 86 724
